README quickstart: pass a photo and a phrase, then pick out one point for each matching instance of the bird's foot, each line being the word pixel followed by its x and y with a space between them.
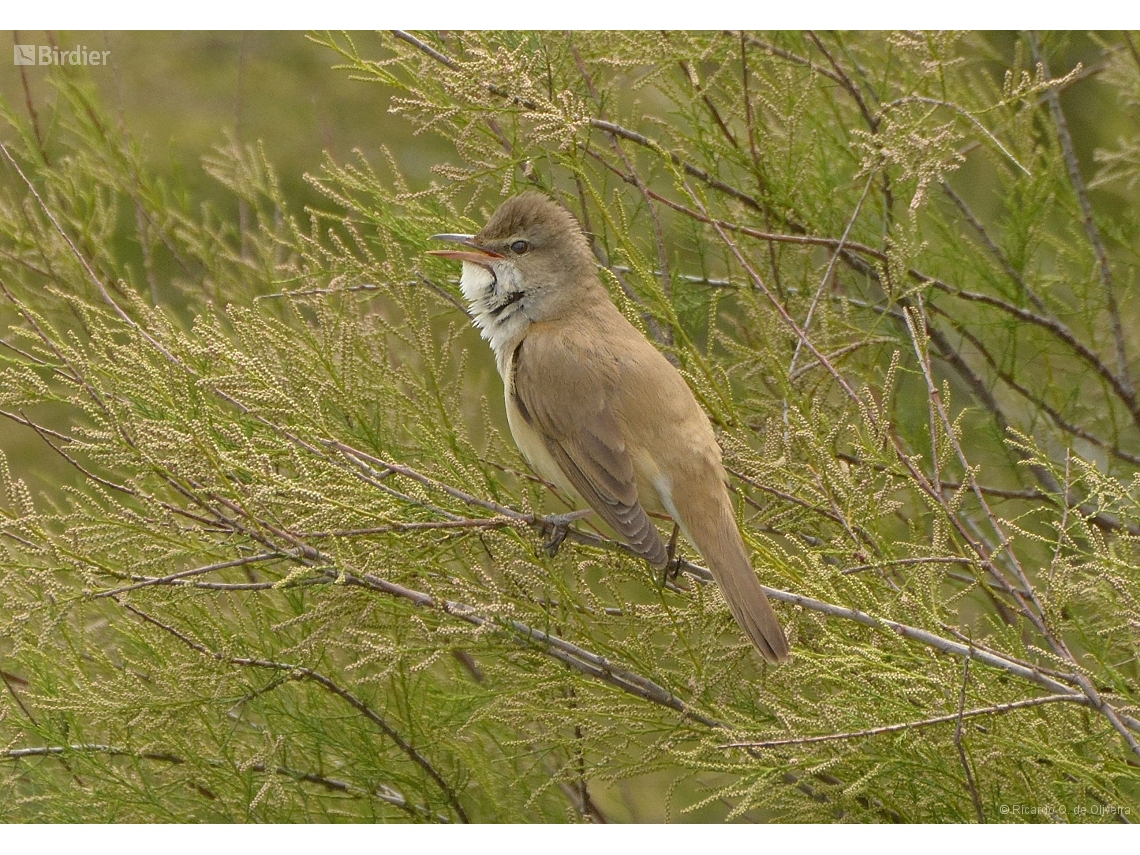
pixel 557 526
pixel 671 572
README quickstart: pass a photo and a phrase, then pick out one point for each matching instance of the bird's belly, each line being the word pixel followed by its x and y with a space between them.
pixel 533 448
pixel 653 487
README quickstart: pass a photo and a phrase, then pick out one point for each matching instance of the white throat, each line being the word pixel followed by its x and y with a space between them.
pixel 498 306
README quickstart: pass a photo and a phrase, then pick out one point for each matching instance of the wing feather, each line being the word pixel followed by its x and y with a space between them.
pixel 573 412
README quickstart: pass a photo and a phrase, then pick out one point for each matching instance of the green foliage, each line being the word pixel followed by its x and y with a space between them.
pixel 299 572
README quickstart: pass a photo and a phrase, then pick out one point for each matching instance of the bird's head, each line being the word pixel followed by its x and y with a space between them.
pixel 531 259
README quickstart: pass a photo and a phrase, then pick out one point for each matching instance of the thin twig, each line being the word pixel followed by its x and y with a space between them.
pixel 381 792
pixel 301 672
pixel 83 260
pixel 30 104
pixel 902 562
pixel 1053 413
pixel 791 57
pixel 970 783
pixel 1056 327
pixel 910 725
pixel 9 679
pixel 869 117
pixel 996 251
pixel 186 574
pixel 826 279
pixel 1089 220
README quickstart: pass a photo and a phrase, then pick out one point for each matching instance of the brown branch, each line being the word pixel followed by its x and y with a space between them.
pixel 838 354
pixel 1089 221
pixel 909 725
pixel 446 525
pixel 900 562
pixel 848 85
pixel 564 651
pixel 1054 415
pixel 300 672
pixel 791 57
pixel 442 59
pixel 186 574
pixel 233 586
pixel 776 237
pixel 1056 327
pixel 999 255
pixel 872 119
pixel 45 434
pixel 35 360
pixel 306 292
pixel 382 792
pixel 787 497
pixel 689 169
pixel 970 783
pixel 691 76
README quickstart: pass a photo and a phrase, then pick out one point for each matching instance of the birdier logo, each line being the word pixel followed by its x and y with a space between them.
pixel 51 55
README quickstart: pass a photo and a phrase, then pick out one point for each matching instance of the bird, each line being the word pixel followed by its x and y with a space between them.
pixel 594 407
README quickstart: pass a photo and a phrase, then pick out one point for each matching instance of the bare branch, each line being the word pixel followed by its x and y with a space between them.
pixel 300 672
pixel 970 783
pixel 382 792
pixel 186 574
pixel 1091 228
pixel 910 725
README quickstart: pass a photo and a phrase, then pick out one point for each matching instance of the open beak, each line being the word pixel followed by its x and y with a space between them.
pixel 473 252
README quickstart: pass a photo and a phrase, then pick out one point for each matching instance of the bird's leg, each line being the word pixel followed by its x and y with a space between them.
pixel 558 526
pixel 672 567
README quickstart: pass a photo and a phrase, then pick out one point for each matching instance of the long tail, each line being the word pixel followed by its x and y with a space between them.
pixel 708 523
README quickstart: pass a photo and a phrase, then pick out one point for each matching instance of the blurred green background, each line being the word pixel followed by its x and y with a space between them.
pixel 181 94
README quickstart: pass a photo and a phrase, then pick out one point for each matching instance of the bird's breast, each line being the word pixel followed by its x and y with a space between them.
pixel 498 308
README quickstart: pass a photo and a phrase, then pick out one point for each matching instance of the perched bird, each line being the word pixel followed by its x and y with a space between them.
pixel 594 407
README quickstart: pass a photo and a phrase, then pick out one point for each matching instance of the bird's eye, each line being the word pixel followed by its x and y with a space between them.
pixel 519 247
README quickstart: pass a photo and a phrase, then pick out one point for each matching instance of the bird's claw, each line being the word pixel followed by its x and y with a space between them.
pixel 554 542
pixel 672 569
pixel 558 526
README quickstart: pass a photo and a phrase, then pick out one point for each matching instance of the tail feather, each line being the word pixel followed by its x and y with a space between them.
pixel 713 531
pixel 749 605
